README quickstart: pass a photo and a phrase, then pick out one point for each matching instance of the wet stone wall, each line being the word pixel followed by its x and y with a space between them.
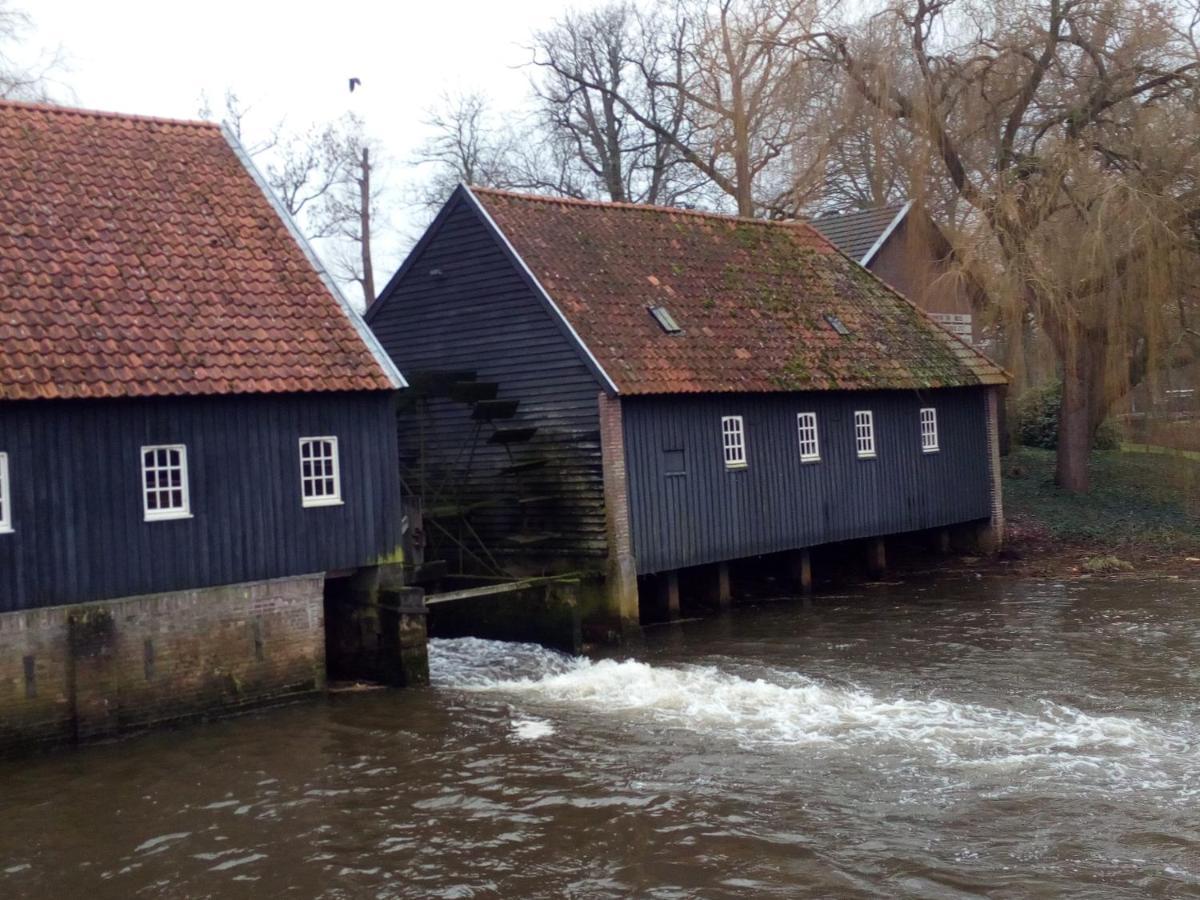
pixel 75 673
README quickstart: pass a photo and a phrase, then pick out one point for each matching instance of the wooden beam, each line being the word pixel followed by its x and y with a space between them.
pixel 495 590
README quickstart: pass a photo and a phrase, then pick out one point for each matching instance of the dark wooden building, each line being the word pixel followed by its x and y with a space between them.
pixel 905 247
pixel 689 388
pixel 186 404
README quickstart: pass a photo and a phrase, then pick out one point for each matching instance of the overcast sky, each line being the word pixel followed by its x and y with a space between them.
pixel 293 61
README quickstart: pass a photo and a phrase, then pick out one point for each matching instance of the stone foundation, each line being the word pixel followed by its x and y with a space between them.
pixel 75 673
pixel 376 628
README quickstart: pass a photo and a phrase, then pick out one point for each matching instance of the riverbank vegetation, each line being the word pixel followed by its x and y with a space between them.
pixel 1143 509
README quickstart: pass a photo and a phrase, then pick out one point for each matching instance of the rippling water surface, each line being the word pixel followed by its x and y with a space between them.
pixel 968 739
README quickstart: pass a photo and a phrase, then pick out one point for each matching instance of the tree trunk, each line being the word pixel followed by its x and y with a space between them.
pixel 368 273
pixel 1074 434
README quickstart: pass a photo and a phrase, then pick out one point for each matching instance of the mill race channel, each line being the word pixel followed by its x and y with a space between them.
pixel 960 739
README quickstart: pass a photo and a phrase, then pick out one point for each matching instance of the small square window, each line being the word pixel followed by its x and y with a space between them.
pixel 6 525
pixel 864 434
pixel 810 448
pixel 165 482
pixel 673 463
pixel 929 434
pixel 320 476
pixel 734 440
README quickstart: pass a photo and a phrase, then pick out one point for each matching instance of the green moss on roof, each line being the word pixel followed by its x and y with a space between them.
pixel 751 298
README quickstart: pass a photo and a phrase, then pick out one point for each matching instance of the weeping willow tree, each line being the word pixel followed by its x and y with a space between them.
pixel 1064 133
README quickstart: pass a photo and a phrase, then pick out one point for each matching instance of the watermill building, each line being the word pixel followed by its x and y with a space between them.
pixel 645 392
pixel 194 429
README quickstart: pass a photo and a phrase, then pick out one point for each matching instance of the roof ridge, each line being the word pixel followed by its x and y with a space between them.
pixel 82 112
pixel 642 207
pixel 842 214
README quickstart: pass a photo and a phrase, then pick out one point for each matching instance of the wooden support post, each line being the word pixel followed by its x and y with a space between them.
pixel 671 594
pixel 724 591
pixel 876 557
pixel 801 564
pixel 944 544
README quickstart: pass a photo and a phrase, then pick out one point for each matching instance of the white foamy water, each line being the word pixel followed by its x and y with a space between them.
pixel 531 729
pixel 792 710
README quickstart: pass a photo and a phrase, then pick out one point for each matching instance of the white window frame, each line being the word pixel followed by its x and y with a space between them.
pixel 810 441
pixel 6 517
pixel 163 514
pixel 733 441
pixel 929 430
pixel 864 433
pixel 321 499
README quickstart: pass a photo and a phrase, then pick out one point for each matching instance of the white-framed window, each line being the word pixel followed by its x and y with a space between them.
pixel 864 434
pixel 733 438
pixel 810 447
pixel 320 475
pixel 929 435
pixel 6 518
pixel 165 482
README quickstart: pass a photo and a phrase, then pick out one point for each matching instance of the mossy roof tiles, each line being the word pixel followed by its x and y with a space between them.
pixel 753 299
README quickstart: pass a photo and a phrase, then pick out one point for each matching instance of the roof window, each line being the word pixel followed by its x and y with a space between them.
pixel 665 320
pixel 836 324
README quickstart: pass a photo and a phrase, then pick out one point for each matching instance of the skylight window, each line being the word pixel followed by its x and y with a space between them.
pixel 665 320
pixel 836 324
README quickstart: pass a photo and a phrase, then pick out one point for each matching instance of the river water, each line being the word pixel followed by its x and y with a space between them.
pixel 964 739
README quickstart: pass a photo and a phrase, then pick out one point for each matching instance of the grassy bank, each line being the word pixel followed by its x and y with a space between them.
pixel 1144 509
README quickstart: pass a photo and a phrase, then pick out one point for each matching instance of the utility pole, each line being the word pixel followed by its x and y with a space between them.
pixel 364 186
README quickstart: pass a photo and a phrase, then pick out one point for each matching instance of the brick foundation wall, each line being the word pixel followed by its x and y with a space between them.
pixel 94 670
pixel 621 573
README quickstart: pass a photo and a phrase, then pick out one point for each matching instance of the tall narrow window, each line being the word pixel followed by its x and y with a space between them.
pixel 734 438
pixel 165 482
pixel 810 448
pixel 320 477
pixel 864 434
pixel 5 497
pixel 929 435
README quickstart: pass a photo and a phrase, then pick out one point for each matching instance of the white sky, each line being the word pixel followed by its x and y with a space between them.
pixel 293 60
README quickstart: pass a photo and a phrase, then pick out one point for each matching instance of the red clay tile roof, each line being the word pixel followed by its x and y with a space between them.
pixel 751 297
pixel 138 257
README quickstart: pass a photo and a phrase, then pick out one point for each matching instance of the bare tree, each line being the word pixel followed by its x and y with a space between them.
pixel 23 79
pixel 1066 128
pixel 323 178
pixel 586 67
pixel 715 86
pixel 466 145
pixel 349 211
pixel 234 115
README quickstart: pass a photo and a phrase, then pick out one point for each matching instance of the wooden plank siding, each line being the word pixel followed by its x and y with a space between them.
pixel 778 503
pixel 75 474
pixel 459 303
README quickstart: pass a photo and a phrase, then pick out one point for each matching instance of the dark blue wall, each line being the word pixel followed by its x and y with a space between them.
pixel 75 472
pixel 778 503
pixel 480 315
